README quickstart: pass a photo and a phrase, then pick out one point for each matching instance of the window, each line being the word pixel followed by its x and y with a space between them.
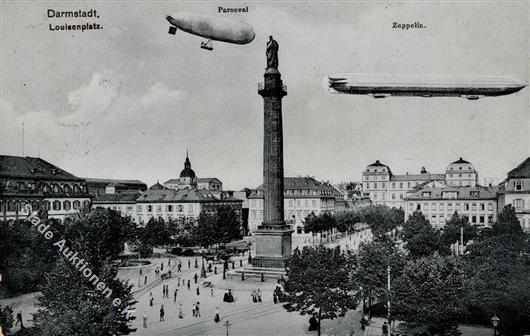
pixel 466 206
pixel 314 203
pixel 474 206
pixel 139 208
pixel 129 208
pixel 490 207
pixel 401 185
pixel 393 185
pixel 433 206
pixel 441 206
pixel 56 205
pixel 490 219
pixel 77 205
pixel 375 196
pixel 519 203
pixel 149 208
pixel 383 185
pixel 159 208
pixel 408 185
pixel 473 219
pixel 401 196
pixel 481 219
pixel 482 206
pixel 393 196
pixel 67 205
pixel 291 203
pixel 518 185
pixel 306 203
pixel 169 208
pixel 190 208
pixel 180 208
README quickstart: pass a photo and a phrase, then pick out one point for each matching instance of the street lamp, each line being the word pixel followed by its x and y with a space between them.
pixel 227 324
pixel 495 322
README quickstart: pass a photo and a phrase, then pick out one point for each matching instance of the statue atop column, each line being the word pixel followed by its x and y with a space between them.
pixel 272 53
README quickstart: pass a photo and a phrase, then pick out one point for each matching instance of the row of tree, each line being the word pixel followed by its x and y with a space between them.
pixel 380 218
pixel 429 287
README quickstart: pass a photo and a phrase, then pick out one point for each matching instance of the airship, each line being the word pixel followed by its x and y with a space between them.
pixel 211 28
pixel 381 86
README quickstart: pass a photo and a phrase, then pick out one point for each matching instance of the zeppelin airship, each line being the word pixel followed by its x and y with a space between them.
pixel 211 28
pixel 381 86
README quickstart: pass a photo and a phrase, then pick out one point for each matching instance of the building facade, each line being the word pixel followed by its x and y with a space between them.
pixel 515 191
pixel 98 186
pixel 385 188
pixel 438 204
pixel 302 196
pixel 34 181
pixel 159 202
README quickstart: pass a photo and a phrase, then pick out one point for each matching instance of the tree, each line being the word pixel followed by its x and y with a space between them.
pixel 421 238
pixel 155 232
pixel 320 283
pixel 371 268
pixel 451 231
pixel 498 269
pixel 430 292
pixel 6 318
pixel 381 219
pixel 71 303
pixel 219 228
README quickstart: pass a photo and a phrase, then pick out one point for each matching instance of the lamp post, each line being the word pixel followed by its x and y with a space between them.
pixel 227 324
pixel 495 322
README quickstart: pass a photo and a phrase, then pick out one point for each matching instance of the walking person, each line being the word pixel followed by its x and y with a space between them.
pixel 163 291
pixel 189 284
pixel 193 310
pixel 145 320
pixel 189 263
pixel 178 283
pixel 180 311
pixel 151 301
pixel 19 320
pixel 145 280
pixel 211 292
pixel 197 310
pixel 198 291
pixel 175 292
pixel 162 313
pixel 195 277
pixel 216 318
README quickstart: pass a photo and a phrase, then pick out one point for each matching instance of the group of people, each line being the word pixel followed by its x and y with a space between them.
pixel 165 291
pixel 228 296
pixel 256 295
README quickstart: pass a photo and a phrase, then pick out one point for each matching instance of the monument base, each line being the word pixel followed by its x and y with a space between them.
pixel 273 246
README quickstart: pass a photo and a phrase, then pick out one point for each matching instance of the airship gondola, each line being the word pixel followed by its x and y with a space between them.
pixel 381 86
pixel 211 28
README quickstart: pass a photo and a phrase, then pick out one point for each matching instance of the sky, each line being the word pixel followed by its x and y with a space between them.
pixel 128 100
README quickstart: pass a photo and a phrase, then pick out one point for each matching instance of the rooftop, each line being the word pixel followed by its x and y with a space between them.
pixel 32 168
pixel 463 193
pixel 521 171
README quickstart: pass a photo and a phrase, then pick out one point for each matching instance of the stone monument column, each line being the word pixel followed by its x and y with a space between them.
pixel 273 237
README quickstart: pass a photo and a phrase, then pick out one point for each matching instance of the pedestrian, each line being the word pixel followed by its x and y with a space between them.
pixel 274 298
pixel 168 262
pixel 180 311
pixel 193 310
pixel 189 284
pixel 151 301
pixel 211 292
pixel 145 320
pixel 198 290
pixel 384 327
pixel 161 313
pixel 178 284
pixel 162 266
pixel 175 295
pixel 197 310
pixel 140 272
pixel 150 294
pixel 179 267
pixel 195 277
pixel 19 320
pixel 145 280
pixel 163 291
pixel 189 263
pixel 216 318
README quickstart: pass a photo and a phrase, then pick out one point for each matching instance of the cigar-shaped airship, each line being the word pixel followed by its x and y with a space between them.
pixel 211 28
pixel 381 86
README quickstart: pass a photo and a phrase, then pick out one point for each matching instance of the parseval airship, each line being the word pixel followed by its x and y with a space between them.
pixel 381 86
pixel 211 28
